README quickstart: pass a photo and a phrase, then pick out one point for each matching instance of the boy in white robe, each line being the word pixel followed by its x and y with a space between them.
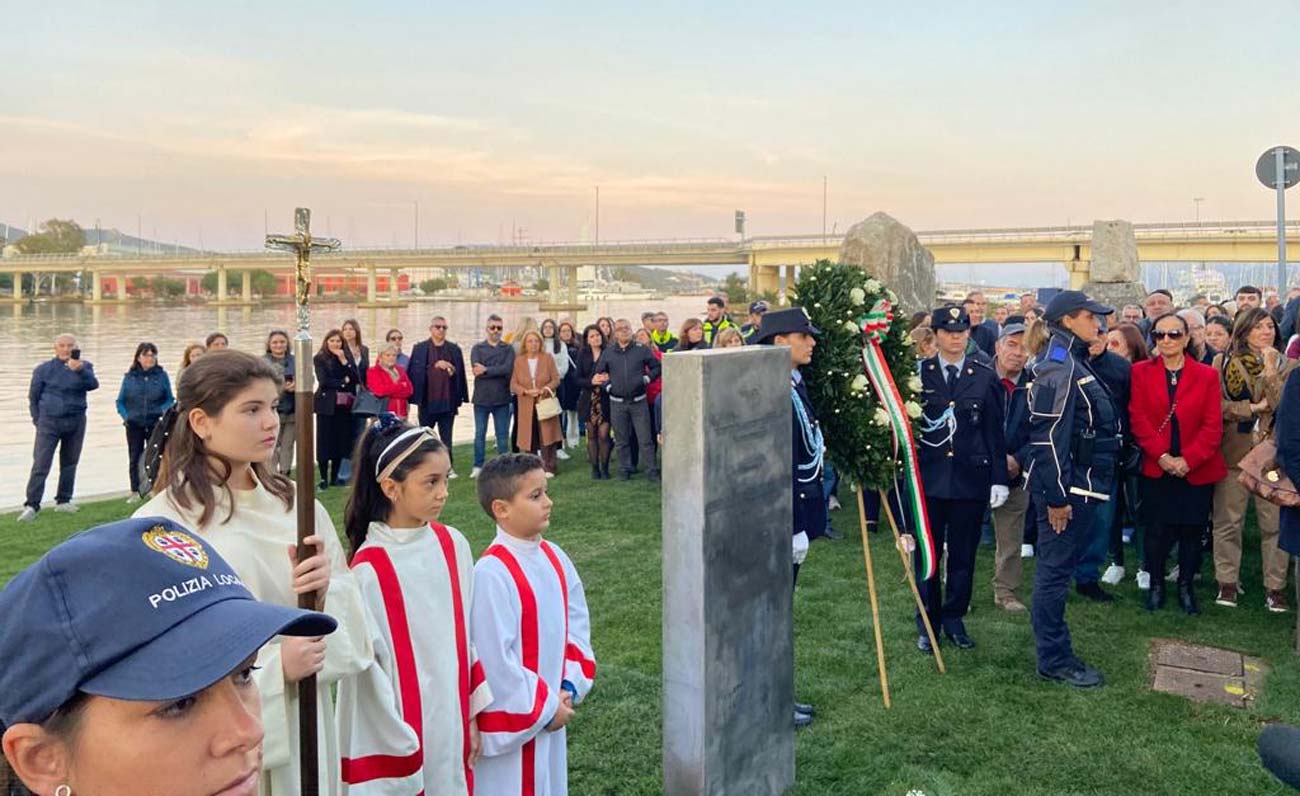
pixel 406 724
pixel 531 628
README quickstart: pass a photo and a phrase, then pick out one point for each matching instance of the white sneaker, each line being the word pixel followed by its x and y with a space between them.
pixel 834 504
pixel 1173 575
pixel 1144 580
pixel 561 454
pixel 28 514
pixel 1113 575
pixel 67 508
pixel 474 473
pixel 1026 551
pixel 452 474
pixel 132 499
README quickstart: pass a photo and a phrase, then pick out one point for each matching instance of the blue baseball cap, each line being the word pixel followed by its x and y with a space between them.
pixel 140 609
pixel 1068 301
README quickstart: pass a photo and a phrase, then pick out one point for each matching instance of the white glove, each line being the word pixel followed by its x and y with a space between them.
pixel 998 495
pixel 800 547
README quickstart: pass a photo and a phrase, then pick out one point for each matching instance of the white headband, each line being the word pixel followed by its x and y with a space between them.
pixel 421 431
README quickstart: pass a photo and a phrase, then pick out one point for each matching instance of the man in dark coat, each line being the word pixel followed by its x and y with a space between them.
pixel 57 401
pixel 963 458
pixel 438 381
pixel 792 328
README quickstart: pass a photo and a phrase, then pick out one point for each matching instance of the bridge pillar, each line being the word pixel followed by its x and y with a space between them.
pixel 246 286
pixel 1080 273
pixel 573 285
pixel 791 276
pixel 371 287
pixel 96 286
pixel 18 286
pixel 393 290
pixel 222 286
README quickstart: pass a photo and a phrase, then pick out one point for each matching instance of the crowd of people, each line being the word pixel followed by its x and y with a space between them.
pixel 1076 431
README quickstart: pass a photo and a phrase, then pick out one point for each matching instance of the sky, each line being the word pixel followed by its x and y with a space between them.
pixel 201 123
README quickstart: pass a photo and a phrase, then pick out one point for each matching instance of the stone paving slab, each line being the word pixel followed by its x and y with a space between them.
pixel 1206 674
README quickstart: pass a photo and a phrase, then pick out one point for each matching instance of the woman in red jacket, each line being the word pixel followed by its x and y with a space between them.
pixel 1177 420
pixel 387 379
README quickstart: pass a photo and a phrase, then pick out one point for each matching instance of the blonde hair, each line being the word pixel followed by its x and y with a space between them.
pixel 725 336
pixel 1036 336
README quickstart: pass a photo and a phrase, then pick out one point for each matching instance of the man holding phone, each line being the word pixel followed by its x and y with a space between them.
pixel 57 401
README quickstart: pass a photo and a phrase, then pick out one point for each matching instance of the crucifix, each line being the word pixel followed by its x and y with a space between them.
pixel 303 244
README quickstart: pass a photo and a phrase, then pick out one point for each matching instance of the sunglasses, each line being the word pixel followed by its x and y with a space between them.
pixel 494 328
pixel 395 338
pixel 439 326
pixel 1174 335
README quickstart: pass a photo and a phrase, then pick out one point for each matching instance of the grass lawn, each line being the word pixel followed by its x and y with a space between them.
pixel 988 727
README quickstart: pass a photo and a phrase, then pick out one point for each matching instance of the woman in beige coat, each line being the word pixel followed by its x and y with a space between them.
pixel 536 377
pixel 1251 376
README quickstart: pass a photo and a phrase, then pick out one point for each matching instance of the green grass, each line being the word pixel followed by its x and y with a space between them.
pixel 987 727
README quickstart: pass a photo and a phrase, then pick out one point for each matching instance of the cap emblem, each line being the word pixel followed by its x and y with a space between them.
pixel 176 545
pixel 954 313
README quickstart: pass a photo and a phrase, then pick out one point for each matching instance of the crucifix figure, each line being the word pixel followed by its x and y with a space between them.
pixel 302 244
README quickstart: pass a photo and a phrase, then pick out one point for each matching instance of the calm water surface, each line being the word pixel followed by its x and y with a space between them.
pixel 109 334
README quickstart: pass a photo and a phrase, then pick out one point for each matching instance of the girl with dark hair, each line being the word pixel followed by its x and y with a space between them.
pixel 691 336
pixel 216 479
pixel 553 345
pixel 279 356
pixel 216 342
pixel 1218 333
pixel 1251 376
pixel 606 327
pixel 409 566
pixel 358 355
pixel 336 389
pixel 1178 424
pixel 593 401
pixel 1126 340
pixel 569 421
pixel 145 394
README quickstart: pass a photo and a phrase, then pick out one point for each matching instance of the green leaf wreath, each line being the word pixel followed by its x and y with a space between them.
pixel 839 299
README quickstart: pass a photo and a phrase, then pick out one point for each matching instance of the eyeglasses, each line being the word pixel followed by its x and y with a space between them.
pixel 438 326
pixel 494 328
pixel 397 338
pixel 1174 335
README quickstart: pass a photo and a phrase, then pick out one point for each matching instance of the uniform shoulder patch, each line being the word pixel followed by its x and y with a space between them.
pixel 1058 353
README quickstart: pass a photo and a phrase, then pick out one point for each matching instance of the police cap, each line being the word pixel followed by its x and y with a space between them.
pixel 949 318
pixel 1068 301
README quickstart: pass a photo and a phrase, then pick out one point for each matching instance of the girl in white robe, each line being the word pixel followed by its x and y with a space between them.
pixel 217 480
pixel 407 723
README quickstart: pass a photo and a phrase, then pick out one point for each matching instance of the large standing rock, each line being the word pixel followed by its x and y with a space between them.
pixel 1114 270
pixel 1114 252
pixel 891 253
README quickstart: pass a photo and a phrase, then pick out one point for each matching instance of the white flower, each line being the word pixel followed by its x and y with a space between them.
pixel 859 383
pixel 914 381
pixel 858 296
pixel 881 417
pixel 907 340
pixel 852 326
pixel 873 286
pixel 913 409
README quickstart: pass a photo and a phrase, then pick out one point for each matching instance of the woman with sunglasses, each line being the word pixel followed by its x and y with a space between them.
pixel 1251 376
pixel 1178 423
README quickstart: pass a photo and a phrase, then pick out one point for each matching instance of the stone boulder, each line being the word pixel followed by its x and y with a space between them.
pixel 1114 252
pixel 891 253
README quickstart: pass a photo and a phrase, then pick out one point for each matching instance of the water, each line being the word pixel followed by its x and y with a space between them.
pixel 109 334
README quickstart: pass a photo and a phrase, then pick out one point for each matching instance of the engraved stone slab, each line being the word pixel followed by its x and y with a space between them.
pixel 1201 686
pixel 1202 659
pixel 728 641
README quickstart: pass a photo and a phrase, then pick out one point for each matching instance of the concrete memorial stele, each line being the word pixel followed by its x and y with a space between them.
pixel 728 638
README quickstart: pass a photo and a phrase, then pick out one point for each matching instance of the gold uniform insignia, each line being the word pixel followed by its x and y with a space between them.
pixel 176 545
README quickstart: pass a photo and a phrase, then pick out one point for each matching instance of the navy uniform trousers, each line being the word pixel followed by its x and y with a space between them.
pixel 956 523
pixel 1057 554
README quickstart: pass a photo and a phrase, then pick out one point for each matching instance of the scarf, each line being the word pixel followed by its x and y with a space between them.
pixel 1239 375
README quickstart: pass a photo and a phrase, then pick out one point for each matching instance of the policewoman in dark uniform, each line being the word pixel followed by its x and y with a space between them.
pixel 1074 437
pixel 792 328
pixel 963 456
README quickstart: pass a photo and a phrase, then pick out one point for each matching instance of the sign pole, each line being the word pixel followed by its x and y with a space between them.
pixel 1279 182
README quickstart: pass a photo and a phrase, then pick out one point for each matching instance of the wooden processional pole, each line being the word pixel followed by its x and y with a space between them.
pixel 302 244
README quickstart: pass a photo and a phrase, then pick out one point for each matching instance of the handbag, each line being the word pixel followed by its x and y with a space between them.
pixel 1261 475
pixel 367 404
pixel 548 407
pixel 344 399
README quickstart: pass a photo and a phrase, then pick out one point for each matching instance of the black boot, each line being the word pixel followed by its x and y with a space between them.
pixel 1187 599
pixel 1156 597
pixel 595 472
pixel 604 470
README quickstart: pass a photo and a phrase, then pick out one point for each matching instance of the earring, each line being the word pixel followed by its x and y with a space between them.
pixel 63 790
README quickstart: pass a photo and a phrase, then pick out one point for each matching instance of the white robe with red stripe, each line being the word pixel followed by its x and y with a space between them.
pixel 530 625
pixel 404 721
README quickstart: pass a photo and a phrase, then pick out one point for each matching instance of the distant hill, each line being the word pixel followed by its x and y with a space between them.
pixel 662 279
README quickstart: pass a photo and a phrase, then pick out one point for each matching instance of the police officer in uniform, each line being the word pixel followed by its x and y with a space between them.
pixel 792 328
pixel 1074 437
pixel 963 457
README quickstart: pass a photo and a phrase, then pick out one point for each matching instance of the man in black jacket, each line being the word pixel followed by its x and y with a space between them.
pixel 630 367
pixel 492 361
pixel 438 381
pixel 57 401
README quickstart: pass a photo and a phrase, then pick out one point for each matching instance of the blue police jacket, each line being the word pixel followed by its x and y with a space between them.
pixel 808 497
pixel 58 391
pixel 1286 431
pixel 144 396
pixel 1074 429
pixel 963 449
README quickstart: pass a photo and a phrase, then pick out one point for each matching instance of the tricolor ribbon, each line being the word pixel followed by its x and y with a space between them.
pixel 875 325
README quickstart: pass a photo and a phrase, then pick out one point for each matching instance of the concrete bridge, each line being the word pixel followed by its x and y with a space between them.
pixel 772 262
